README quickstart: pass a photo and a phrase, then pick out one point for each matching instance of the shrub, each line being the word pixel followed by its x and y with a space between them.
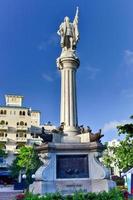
pixel 20 197
pixel 119 180
pixel 113 194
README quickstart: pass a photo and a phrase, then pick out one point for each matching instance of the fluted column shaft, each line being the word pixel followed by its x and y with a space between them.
pixel 68 112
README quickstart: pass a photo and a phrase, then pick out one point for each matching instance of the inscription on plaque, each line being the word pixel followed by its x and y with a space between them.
pixel 72 166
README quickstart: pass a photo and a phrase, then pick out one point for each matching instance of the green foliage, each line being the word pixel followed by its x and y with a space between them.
pixel 15 169
pixel 122 155
pixel 113 194
pixel 126 129
pixel 119 180
pixel 27 160
pixel 107 158
pixel 2 153
pixel 124 152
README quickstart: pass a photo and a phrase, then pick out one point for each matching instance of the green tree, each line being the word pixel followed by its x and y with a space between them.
pixel 121 155
pixel 108 156
pixel 15 169
pixel 2 151
pixel 124 152
pixel 26 160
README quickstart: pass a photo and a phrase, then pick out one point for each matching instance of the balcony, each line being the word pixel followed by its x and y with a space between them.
pixel 3 139
pixel 3 127
pixel 22 128
pixel 21 139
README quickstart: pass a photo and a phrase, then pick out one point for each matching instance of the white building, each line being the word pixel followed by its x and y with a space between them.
pixel 111 144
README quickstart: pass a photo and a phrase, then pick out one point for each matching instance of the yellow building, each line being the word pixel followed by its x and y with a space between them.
pixel 18 124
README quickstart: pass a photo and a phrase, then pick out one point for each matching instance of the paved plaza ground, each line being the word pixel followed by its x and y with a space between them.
pixel 7 193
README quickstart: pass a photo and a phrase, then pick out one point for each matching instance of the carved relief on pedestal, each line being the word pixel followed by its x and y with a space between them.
pixel 46 159
pixel 97 170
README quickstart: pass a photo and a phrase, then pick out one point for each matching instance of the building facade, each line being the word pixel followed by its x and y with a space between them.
pixel 17 123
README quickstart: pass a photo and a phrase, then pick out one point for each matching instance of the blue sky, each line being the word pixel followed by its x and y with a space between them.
pixel 29 46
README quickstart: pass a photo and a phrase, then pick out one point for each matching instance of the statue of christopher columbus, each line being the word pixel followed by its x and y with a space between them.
pixel 69 33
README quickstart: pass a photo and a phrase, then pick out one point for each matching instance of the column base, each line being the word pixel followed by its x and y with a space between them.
pixel 70 130
pixel 70 135
pixel 70 139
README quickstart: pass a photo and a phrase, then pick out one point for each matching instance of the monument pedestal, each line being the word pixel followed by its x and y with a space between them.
pixel 71 167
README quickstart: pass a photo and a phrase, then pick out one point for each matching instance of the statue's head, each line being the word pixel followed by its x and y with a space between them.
pixel 66 19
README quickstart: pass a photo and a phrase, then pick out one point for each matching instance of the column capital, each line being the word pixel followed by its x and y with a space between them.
pixel 68 59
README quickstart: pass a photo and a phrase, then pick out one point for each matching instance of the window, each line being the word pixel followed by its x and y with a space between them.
pixel 2 134
pixel 25 124
pixel 21 123
pixel 2 122
pixel 17 123
pixel 1 112
pixel 22 113
pixel 20 134
pixel 6 123
pixel 4 112
pixel 29 113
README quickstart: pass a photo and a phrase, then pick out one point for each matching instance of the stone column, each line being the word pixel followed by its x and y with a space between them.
pixel 68 110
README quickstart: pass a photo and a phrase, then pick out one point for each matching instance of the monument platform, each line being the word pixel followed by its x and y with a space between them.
pixel 71 167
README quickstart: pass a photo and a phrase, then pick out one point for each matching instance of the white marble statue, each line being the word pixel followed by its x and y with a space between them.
pixel 69 33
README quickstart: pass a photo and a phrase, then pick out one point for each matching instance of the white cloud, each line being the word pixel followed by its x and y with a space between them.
pixel 110 126
pixel 92 71
pixel 47 77
pixel 128 58
pixel 51 41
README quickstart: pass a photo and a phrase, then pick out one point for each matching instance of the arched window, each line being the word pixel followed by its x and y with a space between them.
pixel 5 134
pixel 25 124
pixel 19 146
pixel 29 112
pixel 17 135
pixel 2 134
pixel 23 112
pixel 20 113
pixel 25 135
pixel 4 112
pixel 21 123
pixel 1 112
pixel 17 123
pixel 2 122
pixel 6 123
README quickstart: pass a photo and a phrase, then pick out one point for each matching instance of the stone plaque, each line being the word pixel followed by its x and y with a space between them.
pixel 70 186
pixel 72 166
